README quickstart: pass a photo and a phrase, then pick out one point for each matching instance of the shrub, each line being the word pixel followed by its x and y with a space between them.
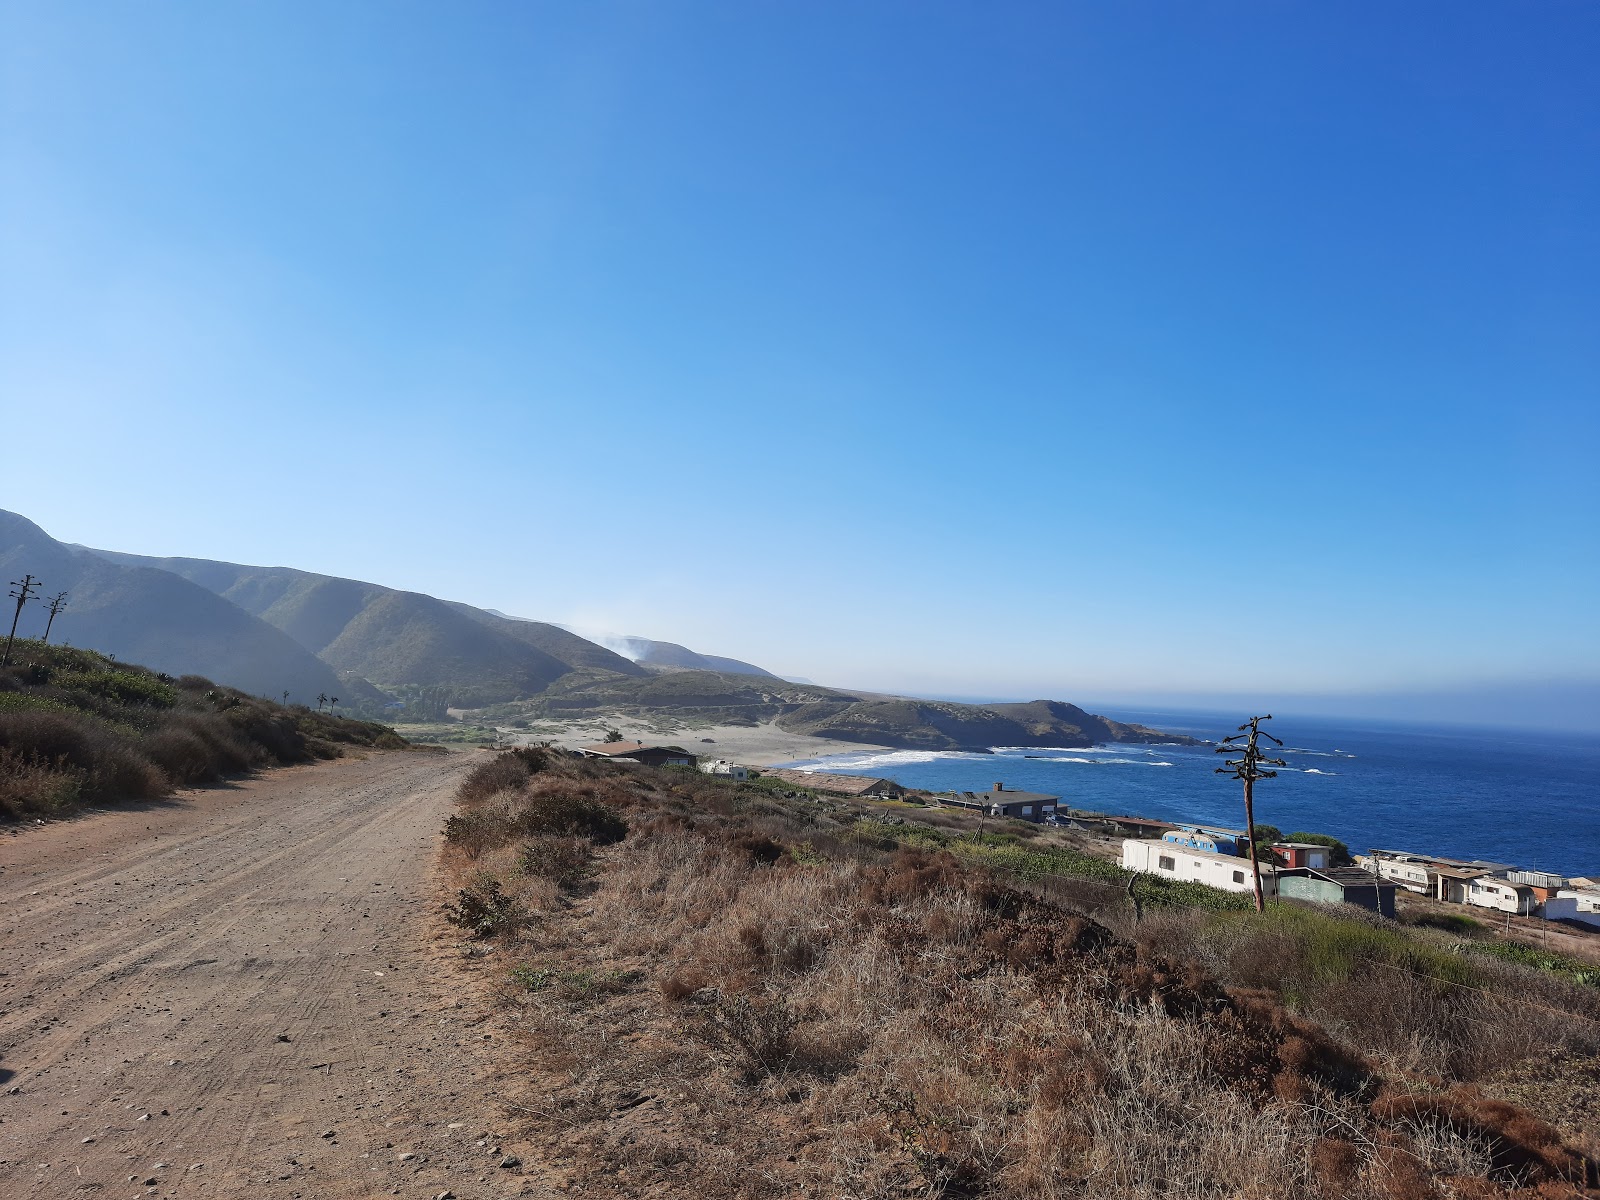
pixel 31 787
pixel 573 814
pixel 106 766
pixel 483 909
pixel 124 687
pixel 762 1032
pixel 502 773
pixel 552 856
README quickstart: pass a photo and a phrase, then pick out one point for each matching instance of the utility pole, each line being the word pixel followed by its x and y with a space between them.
pixel 24 588
pixel 1248 768
pixel 57 603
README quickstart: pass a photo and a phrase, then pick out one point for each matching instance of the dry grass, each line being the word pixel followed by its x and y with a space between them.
pixel 739 999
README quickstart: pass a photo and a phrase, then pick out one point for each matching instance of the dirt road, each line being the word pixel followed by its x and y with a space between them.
pixel 243 992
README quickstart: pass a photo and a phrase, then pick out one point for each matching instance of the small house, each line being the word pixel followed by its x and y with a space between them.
pixel 1338 885
pixel 1021 806
pixel 724 769
pixel 1303 854
pixel 1580 905
pixel 1227 872
pixel 866 787
pixel 639 752
pixel 1137 827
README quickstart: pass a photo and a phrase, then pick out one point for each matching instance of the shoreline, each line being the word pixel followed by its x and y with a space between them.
pixel 762 745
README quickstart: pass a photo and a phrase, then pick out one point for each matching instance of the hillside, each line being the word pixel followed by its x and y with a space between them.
pixel 78 727
pixel 845 716
pixel 831 998
pixel 942 725
pixel 158 618
pixel 473 658
pixel 396 638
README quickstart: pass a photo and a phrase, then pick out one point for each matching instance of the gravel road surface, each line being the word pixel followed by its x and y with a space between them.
pixel 245 991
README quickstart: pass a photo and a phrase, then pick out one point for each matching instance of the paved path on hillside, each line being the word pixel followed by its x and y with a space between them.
pixel 195 993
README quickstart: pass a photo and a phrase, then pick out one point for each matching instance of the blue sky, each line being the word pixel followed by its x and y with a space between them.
pixel 1074 349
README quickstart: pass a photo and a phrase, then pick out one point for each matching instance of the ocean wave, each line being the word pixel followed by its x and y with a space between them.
pixel 1314 771
pixel 1039 751
pixel 884 758
pixel 1103 762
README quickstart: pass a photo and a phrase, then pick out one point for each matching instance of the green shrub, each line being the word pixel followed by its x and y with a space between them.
pixel 123 687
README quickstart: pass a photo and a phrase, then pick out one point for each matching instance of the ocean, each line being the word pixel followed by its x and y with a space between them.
pixel 1528 799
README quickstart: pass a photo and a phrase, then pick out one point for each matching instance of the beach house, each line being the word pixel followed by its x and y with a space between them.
pixel 725 769
pixel 866 787
pixel 1578 902
pixel 1228 872
pixel 1338 885
pixel 640 752
pixel 1022 806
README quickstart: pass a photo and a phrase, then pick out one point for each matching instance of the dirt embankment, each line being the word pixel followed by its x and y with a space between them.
pixel 236 993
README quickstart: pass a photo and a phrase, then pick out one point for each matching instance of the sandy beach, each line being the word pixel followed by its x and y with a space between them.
pixel 761 745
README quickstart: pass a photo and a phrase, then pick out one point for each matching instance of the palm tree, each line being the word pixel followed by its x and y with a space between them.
pixel 322 698
pixel 332 700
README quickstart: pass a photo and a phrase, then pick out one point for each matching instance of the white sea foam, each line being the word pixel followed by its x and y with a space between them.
pixel 1069 749
pixel 1314 771
pixel 888 758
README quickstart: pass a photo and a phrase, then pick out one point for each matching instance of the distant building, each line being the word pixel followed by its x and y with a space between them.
pixel 1448 879
pixel 1228 872
pixel 1212 841
pixel 1545 885
pixel 1303 854
pixel 724 769
pixel 1503 895
pixel 1022 806
pixel 1338 885
pixel 639 752
pixel 1135 827
pixel 1579 903
pixel 863 786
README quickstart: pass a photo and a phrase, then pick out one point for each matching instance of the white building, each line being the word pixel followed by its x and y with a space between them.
pixel 726 769
pixel 1502 895
pixel 1409 871
pixel 1169 861
pixel 1580 904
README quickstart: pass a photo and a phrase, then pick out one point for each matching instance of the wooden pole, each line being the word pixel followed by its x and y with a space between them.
pixel 1250 832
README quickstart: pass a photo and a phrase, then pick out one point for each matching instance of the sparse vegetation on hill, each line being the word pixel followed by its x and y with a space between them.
pixel 727 991
pixel 77 727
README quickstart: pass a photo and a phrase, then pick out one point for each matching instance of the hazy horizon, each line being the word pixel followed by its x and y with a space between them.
pixel 1074 349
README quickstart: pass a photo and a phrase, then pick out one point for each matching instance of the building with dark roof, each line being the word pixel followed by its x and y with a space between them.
pixel 839 785
pixel 1338 885
pixel 1021 806
pixel 639 752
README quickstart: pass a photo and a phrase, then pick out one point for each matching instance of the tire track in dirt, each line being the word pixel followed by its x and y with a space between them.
pixel 213 984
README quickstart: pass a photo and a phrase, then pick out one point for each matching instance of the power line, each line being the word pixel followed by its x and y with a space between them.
pixel 22 589
pixel 1247 767
pixel 56 603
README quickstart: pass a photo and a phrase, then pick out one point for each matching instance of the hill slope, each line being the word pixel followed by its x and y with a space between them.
pixel 157 618
pixel 397 638
pixel 847 716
